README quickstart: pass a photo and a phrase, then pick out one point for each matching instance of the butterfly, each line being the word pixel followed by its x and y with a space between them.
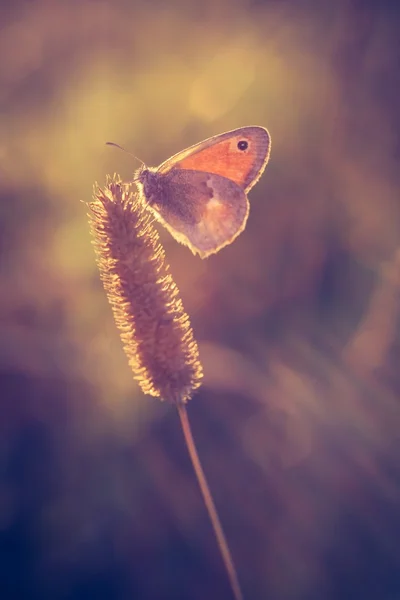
pixel 200 194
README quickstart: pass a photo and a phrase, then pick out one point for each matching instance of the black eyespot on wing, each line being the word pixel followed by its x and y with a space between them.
pixel 243 145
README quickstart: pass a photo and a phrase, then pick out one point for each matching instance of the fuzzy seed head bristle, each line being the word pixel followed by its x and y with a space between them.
pixel 155 329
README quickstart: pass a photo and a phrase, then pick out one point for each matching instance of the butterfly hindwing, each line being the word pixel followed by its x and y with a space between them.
pixel 202 210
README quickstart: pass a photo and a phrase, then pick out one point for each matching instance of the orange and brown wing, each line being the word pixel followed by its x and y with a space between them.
pixel 240 155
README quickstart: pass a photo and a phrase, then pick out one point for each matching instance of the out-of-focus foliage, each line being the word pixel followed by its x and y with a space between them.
pixel 297 321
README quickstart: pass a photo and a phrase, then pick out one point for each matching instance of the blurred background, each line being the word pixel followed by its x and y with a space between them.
pixel 298 420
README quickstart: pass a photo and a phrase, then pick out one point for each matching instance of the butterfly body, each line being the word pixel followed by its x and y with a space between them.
pixel 200 194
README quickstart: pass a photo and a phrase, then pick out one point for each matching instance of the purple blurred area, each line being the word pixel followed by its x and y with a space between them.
pixel 298 421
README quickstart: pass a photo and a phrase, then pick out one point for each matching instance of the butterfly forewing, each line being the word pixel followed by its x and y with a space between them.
pixel 239 155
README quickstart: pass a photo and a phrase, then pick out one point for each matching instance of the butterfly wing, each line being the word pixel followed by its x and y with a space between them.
pixel 240 155
pixel 204 211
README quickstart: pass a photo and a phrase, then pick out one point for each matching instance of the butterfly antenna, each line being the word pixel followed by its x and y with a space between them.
pixel 124 150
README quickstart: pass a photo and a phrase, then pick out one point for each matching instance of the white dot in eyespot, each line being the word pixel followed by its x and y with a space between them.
pixel 243 145
pixel 234 146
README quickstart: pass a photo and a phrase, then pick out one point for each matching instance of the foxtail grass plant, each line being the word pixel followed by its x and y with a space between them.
pixel 154 327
